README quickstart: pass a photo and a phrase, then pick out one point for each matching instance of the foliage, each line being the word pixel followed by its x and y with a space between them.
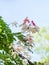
pixel 6 36
pixel 38 63
pixel 6 39
pixel 20 36
pixel 42 40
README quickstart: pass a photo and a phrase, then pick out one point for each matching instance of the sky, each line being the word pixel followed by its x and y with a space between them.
pixel 37 10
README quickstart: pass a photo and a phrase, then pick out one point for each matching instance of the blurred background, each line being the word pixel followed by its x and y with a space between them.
pixel 37 10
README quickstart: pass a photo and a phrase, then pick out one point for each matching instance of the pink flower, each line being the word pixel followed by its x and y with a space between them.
pixel 26 20
pixel 33 23
pixel 29 40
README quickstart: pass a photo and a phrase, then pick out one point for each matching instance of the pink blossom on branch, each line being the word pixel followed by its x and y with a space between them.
pixel 26 20
pixel 33 23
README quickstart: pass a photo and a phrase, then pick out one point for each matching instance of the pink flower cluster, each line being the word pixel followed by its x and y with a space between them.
pixel 26 20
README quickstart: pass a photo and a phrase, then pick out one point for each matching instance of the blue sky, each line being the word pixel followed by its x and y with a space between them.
pixel 37 10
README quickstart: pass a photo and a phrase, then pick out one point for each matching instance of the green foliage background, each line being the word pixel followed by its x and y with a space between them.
pixel 6 39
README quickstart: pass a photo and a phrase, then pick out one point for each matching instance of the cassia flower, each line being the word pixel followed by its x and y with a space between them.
pixel 33 23
pixel 26 20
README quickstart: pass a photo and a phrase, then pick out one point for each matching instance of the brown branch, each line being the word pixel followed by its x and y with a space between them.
pixel 26 58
